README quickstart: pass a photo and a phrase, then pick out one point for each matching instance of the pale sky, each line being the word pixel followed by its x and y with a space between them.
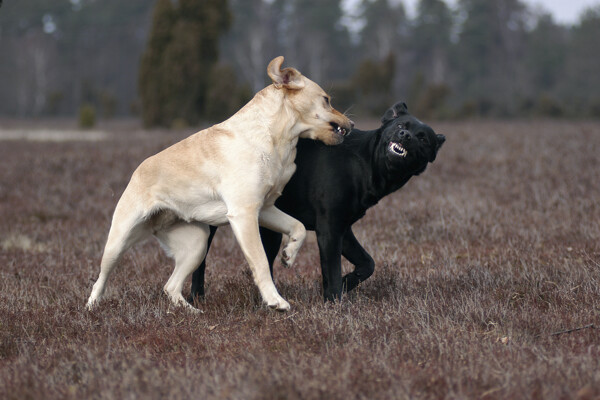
pixel 564 11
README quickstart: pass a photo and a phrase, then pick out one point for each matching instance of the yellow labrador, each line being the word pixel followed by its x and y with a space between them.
pixel 230 173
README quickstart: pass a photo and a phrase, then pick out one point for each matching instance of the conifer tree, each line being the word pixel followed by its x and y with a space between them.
pixel 175 70
pixel 150 81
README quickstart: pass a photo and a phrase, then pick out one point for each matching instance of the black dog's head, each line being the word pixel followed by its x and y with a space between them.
pixel 409 143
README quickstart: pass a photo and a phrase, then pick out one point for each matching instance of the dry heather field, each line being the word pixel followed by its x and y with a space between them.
pixel 487 283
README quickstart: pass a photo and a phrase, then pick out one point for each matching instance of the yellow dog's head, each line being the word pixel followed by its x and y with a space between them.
pixel 318 118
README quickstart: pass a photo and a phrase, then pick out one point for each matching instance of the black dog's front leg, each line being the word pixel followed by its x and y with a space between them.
pixel 330 252
pixel 198 276
pixel 271 242
pixel 357 255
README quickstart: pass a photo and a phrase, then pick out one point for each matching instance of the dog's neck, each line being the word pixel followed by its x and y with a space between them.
pixel 382 181
pixel 268 117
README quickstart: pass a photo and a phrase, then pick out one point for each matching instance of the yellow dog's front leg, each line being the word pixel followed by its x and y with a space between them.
pixel 276 220
pixel 244 223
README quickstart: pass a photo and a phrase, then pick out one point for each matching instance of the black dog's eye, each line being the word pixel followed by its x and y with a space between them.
pixel 422 137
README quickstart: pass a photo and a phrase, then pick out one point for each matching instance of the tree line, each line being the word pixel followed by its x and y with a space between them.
pixel 182 61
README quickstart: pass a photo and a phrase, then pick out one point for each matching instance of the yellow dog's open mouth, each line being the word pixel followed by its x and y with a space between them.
pixel 397 149
pixel 338 129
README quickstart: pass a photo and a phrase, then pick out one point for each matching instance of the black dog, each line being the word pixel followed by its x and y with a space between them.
pixel 335 185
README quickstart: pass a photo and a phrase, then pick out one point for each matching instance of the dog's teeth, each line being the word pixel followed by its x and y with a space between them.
pixel 398 149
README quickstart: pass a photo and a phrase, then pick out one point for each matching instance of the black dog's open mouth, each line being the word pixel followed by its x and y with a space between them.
pixel 338 129
pixel 397 149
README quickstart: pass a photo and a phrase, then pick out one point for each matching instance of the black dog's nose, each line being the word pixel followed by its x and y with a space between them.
pixel 405 135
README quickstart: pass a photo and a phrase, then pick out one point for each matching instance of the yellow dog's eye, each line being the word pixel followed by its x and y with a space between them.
pixel 327 101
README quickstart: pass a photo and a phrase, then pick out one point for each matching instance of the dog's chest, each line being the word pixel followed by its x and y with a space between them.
pixel 278 169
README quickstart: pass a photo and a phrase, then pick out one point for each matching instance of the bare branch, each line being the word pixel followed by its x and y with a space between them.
pixel 573 330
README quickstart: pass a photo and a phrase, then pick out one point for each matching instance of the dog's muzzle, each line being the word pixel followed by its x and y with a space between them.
pixel 397 149
pixel 338 129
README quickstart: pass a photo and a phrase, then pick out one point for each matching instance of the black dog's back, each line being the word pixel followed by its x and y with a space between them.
pixel 335 185
pixel 328 175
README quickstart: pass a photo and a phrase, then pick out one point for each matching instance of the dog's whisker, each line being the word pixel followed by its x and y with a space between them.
pixel 347 112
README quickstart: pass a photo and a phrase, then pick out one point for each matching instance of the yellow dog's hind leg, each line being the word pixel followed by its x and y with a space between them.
pixel 128 228
pixel 186 242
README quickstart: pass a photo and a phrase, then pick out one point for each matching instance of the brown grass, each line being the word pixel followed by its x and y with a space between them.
pixel 479 261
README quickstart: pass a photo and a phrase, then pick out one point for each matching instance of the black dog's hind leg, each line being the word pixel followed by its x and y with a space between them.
pixel 271 242
pixel 330 252
pixel 198 276
pixel 357 255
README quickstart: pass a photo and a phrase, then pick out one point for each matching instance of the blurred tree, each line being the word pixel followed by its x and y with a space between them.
pixel 490 57
pixel 87 116
pixel 152 85
pixel 225 95
pixel 545 63
pixel 386 32
pixel 431 47
pixel 253 39
pixel 381 34
pixel 29 48
pixel 50 49
pixel 430 39
pixel 582 81
pixel 489 52
pixel 174 76
pixel 547 51
pixel 372 81
pixel 317 43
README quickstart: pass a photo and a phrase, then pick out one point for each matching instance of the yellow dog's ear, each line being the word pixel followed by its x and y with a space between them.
pixel 289 78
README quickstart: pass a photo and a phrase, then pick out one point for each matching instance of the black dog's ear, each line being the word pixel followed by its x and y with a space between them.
pixel 440 139
pixel 396 110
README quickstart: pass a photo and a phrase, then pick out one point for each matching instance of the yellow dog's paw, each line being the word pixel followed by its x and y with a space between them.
pixel 279 305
